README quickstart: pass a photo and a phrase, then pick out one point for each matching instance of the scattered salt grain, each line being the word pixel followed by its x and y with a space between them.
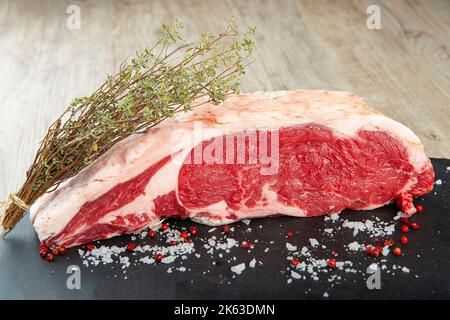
pixel 168 259
pixel 373 267
pixel 400 214
pixel 314 243
pixel 334 216
pixel 238 268
pixel 252 263
pixel 355 246
pixel 389 229
pixel 438 182
pixel 290 247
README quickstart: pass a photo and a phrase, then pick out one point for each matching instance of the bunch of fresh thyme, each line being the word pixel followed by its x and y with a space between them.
pixel 169 77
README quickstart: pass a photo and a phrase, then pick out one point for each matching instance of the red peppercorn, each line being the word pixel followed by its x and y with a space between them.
pixel 152 233
pixel 404 229
pixel 404 220
pixel 289 234
pixel 226 228
pixel 331 263
pixel 131 246
pixel 187 240
pixel 158 257
pixel 376 252
pixel 90 247
pixel 294 261
pixel 43 246
pixel 43 252
pixel 397 251
pixel 173 243
pixel 389 242
pixel 414 226
pixel 404 240
pixel 50 257
pixel 245 245
pixel 164 227
pixel 62 250
pixel 184 234
pixel 419 208
pixel 193 230
pixel 55 251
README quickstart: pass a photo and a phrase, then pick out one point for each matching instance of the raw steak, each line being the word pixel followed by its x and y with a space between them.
pixel 297 153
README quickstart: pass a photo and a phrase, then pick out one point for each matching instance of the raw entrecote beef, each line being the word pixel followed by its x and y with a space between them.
pixel 297 153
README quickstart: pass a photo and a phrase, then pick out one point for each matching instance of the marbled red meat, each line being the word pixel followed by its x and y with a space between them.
pixel 333 152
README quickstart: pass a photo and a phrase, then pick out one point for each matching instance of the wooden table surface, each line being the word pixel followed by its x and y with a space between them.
pixel 402 69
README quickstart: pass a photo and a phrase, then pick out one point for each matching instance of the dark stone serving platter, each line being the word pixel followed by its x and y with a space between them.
pixel 24 275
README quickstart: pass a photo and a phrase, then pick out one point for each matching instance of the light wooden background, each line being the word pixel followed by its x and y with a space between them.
pixel 403 69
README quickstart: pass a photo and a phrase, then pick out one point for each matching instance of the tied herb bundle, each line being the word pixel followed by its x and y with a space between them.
pixel 172 76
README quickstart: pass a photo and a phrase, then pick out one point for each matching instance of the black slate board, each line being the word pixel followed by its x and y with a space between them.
pixel 24 275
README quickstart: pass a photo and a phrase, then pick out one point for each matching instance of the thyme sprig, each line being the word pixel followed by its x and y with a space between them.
pixel 172 76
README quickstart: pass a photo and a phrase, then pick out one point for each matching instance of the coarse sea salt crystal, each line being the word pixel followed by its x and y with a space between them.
pixel 147 260
pixel 252 263
pixel 400 214
pixel 246 221
pixel 355 246
pixel 295 275
pixel 405 269
pixel 168 259
pixel 373 267
pixel 238 268
pixel 355 225
pixel 389 229
pixel 313 242
pixel 328 230
pixel 438 182
pixel 290 247
pixel 334 216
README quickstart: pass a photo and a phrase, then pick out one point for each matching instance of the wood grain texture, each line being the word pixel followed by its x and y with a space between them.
pixel 403 69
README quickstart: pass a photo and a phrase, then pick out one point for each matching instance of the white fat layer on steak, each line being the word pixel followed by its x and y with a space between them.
pixel 343 112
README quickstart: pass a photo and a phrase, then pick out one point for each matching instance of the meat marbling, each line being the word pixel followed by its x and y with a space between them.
pixel 298 153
